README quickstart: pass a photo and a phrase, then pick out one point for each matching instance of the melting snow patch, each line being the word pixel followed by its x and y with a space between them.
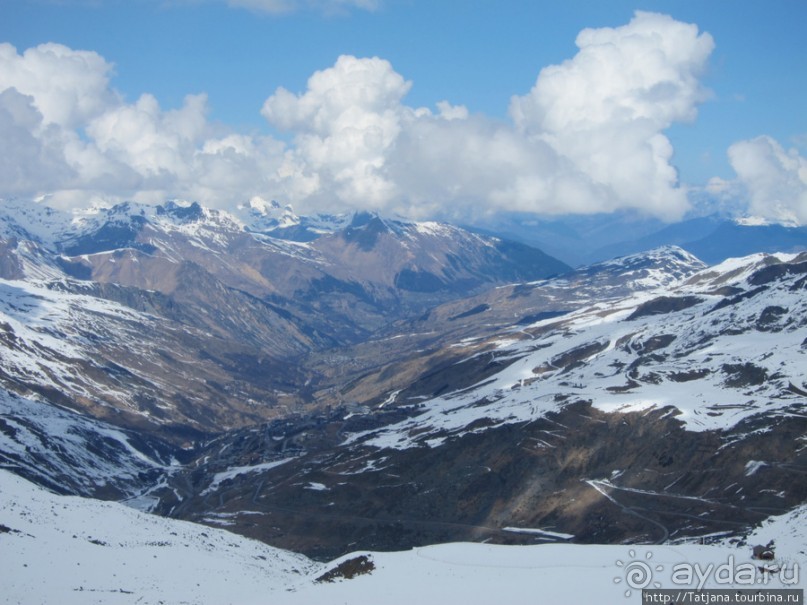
pixel 539 532
pixel 753 466
pixel 234 471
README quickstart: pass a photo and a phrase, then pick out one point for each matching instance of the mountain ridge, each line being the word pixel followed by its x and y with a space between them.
pixel 584 240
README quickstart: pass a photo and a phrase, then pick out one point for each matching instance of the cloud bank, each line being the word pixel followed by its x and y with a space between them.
pixel 774 180
pixel 588 137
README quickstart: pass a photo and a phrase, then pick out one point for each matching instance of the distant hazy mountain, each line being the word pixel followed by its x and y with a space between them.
pixel 589 239
pixel 732 240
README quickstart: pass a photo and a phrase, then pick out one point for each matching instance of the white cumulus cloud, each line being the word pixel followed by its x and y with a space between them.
pixel 588 137
pixel 606 108
pixel 345 125
pixel 148 139
pixel 65 133
pixel 775 179
pixel 32 154
pixel 68 87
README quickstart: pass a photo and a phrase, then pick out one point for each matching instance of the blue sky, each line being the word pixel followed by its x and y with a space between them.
pixel 476 54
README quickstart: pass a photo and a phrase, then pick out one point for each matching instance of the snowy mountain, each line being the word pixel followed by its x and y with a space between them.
pixel 672 412
pixel 349 279
pixel 181 320
pixel 69 344
pixel 72 454
pixel 270 218
pixel 340 385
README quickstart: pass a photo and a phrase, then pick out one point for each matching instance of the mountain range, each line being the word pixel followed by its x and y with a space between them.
pixel 345 383
pixel 586 239
pixel 204 317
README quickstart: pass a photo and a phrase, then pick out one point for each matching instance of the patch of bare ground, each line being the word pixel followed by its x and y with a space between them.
pixel 349 569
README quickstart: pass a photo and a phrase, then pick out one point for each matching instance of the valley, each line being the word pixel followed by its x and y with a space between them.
pixel 356 383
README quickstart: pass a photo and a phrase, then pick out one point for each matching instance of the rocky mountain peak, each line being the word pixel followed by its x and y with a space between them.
pixel 186 213
pixel 365 228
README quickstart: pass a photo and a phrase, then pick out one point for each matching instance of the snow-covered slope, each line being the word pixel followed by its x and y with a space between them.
pixel 60 549
pixel 68 550
pixel 720 346
pixel 61 341
pixel 46 333
pixel 71 453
